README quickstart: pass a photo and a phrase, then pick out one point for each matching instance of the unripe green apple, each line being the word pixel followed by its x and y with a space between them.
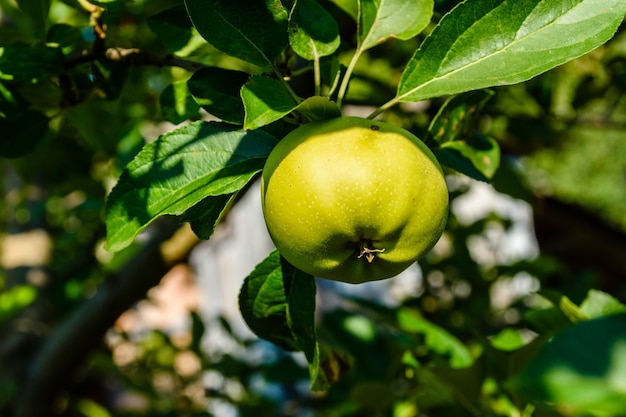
pixel 353 200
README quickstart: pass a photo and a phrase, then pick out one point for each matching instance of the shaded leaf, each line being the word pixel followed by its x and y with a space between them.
pixel 37 12
pixel 313 32
pixel 318 108
pixel 484 43
pixel 332 364
pixel 22 132
pixel 477 157
pixel 565 305
pixel 583 368
pixel 172 26
pixel 217 90
pixel 380 20
pixel 30 63
pixel 456 119
pixel 205 216
pixel 180 169
pixel 63 34
pixel 177 103
pixel 252 30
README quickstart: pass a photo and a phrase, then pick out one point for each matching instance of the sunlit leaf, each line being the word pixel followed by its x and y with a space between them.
pixel 380 20
pixel 313 32
pixel 265 100
pixel 180 169
pixel 484 43
pixel 252 30
pixel 14 299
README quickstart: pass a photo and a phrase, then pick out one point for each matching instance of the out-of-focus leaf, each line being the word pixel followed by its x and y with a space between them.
pixel 22 132
pixel 177 103
pixel 37 12
pixel 180 169
pixel 217 90
pixel 318 108
pixel 332 365
pixel 15 299
pixel 478 156
pixel 252 30
pixel 313 32
pixel 380 20
pixel 172 26
pixel 484 43
pixel 30 63
pixel 600 304
pixel 436 338
pixel 565 305
pixel 63 34
pixel 456 119
pixel 265 100
pixel 205 216
pixel 583 368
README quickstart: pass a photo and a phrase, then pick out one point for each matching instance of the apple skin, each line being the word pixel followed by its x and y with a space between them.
pixel 353 200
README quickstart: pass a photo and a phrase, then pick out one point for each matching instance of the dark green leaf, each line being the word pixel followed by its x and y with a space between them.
pixel 583 368
pixel 63 34
pixel 177 104
pixel 217 90
pixel 172 26
pixel 313 32
pixel 37 12
pixel 21 132
pixel 380 20
pixel 265 100
pixel 30 63
pixel 205 216
pixel 477 157
pixel 565 305
pixel 263 303
pixel 331 366
pixel 484 43
pixel 180 169
pixel 252 30
pixel 456 119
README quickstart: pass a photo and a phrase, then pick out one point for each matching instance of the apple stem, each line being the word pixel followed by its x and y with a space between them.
pixel 369 254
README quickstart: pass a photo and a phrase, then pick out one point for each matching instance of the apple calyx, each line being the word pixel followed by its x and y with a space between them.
pixel 369 253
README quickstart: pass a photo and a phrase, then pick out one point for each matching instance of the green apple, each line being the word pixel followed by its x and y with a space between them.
pixel 353 200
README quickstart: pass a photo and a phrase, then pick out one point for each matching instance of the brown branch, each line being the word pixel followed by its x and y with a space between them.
pixel 69 345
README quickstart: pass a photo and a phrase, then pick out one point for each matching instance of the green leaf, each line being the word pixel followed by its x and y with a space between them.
pixel 436 338
pixel 14 299
pixel 30 63
pixel 277 301
pixel 263 302
pixel 477 157
pixel 318 108
pixel 180 169
pixel 600 304
pixel 313 32
pixel 217 90
pixel 205 216
pixel 330 367
pixel 581 369
pixel 380 20
pixel 63 34
pixel 252 30
pixel 265 100
pixel 22 132
pixel 37 12
pixel 565 305
pixel 456 119
pixel 484 43
pixel 177 103
pixel 351 7
pixel 172 26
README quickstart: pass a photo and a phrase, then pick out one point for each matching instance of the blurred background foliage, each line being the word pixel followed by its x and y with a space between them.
pixel 71 132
